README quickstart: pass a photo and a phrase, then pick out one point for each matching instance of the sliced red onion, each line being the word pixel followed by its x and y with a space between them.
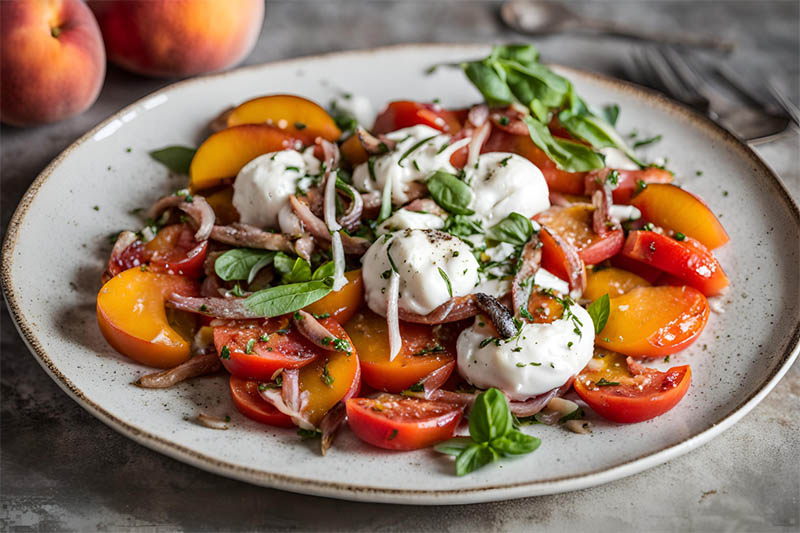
pixel 318 229
pixel 351 218
pixel 426 205
pixel 436 379
pixel 602 201
pixel 478 115
pixel 310 328
pixel 374 145
pixel 533 405
pixel 288 400
pixel 558 199
pixel 455 309
pixel 212 422
pixel 232 308
pixel 330 424
pixel 245 235
pixel 304 247
pixel 523 279
pixel 197 208
pixel 339 280
pixel 124 240
pixel 392 318
pixel 198 365
pixel 479 137
pixel 330 201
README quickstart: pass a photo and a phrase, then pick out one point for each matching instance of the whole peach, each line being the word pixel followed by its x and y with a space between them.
pixel 52 62
pixel 177 38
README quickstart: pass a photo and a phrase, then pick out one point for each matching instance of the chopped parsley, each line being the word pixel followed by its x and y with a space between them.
pixel 225 353
pixel 604 383
pixel 436 348
pixel 299 125
pixel 679 236
pixel 447 281
pixel 249 348
pixel 326 377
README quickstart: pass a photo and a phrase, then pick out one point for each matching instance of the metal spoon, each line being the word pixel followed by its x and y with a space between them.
pixel 540 17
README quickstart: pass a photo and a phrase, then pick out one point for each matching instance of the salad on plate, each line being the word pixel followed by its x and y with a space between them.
pixel 511 263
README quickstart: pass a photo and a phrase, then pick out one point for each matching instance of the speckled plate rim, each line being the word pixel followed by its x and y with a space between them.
pixel 367 493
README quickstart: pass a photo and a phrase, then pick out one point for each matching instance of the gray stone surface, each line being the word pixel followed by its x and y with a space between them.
pixel 60 469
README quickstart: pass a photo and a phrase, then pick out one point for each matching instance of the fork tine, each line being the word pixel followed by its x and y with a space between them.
pixel 666 74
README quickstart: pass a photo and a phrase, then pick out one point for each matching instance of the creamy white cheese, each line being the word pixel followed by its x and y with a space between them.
pixel 420 151
pixel 506 183
pixel 264 184
pixel 541 358
pixel 405 219
pixel 622 213
pixel 546 280
pixel 418 255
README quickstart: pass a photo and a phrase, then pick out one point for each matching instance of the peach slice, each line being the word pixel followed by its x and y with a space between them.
pixel 672 208
pixel 331 378
pixel 133 319
pixel 302 118
pixel 612 281
pixel 654 321
pixel 221 202
pixel 353 152
pixel 224 153
pixel 341 305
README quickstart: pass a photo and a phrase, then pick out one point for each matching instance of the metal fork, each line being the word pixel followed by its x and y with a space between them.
pixel 681 78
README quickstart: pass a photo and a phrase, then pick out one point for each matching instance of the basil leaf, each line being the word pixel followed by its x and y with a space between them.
pixel 325 270
pixel 490 417
pixel 595 131
pixel 462 226
pixel 536 82
pixel 454 446
pixel 515 443
pixel 489 83
pixel 452 194
pixel 599 310
pixel 176 158
pixel 524 53
pixel 242 263
pixel 292 270
pixel 284 299
pixel 567 155
pixel 514 229
pixel 611 113
pixel 474 457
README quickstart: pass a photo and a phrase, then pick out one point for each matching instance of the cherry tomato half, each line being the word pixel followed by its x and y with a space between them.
pixel 249 402
pixel 574 224
pixel 399 422
pixel 404 114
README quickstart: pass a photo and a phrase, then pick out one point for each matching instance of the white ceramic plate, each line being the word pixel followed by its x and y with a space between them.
pixel 56 247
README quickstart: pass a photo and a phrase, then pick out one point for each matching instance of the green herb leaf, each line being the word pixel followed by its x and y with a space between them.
pixel 574 415
pixel 452 194
pixel 516 443
pixel 292 270
pixel 447 282
pixel 611 113
pixel 454 446
pixel 645 142
pixel 514 229
pixel 325 270
pixel 493 88
pixel 599 310
pixel 176 158
pixel 490 417
pixel 567 155
pixel 603 382
pixel 242 263
pixel 473 457
pixel 283 299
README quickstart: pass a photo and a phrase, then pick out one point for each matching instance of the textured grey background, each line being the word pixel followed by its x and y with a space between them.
pixel 60 469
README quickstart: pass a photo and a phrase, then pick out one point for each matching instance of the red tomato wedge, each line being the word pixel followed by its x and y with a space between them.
pixel 249 402
pixel 688 260
pixel 654 321
pixel 257 349
pixel 399 422
pixel 425 349
pixel 175 251
pixel 574 224
pixel 404 114
pixel 628 392
pixel 642 270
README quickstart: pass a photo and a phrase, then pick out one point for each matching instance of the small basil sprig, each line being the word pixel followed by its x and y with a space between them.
pixel 514 229
pixel 599 310
pixel 176 158
pixel 284 299
pixel 292 270
pixel 568 155
pixel 491 435
pixel 242 263
pixel 452 194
